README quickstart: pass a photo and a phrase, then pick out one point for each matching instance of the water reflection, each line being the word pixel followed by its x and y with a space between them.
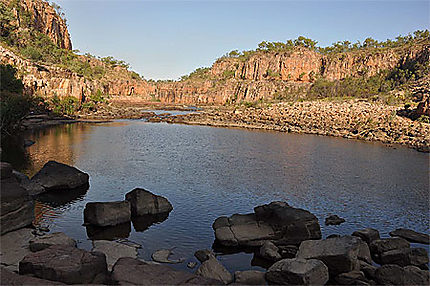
pixel 142 223
pixel 109 233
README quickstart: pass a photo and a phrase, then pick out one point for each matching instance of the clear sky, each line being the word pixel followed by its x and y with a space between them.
pixel 167 39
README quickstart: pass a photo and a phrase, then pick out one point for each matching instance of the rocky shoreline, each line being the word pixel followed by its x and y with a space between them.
pixel 353 119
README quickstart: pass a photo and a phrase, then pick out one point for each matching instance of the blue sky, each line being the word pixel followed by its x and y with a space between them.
pixel 167 39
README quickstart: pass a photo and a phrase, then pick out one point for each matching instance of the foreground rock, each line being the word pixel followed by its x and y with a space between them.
pixel 397 275
pixel 213 269
pixel 66 264
pixel 406 256
pixel 269 251
pixel 56 238
pixel 128 271
pixel 107 213
pixel 204 254
pixel 379 246
pixel 276 221
pixel 14 247
pixel 114 251
pixel 250 277
pixel 31 187
pixel 352 278
pixel 17 207
pixel 162 256
pixel 334 220
pixel 55 176
pixel 298 271
pixel 8 277
pixel 340 254
pixel 368 234
pixel 143 202
pixel 411 235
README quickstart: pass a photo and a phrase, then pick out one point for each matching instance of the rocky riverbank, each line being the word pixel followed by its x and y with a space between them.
pixel 352 119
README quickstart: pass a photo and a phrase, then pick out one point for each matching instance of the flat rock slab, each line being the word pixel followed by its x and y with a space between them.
pixel 129 271
pixel 45 241
pixel 8 277
pixel 14 246
pixel 55 176
pixel 114 250
pixel 66 264
pixel 213 269
pixel 250 277
pixel 144 202
pixel 162 256
pixel 107 213
pixel 298 271
pixel 340 254
pixel 411 235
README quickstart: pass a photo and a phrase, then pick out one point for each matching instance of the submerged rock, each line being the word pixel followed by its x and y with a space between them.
pixel 298 271
pixel 213 269
pixel 277 222
pixel 129 271
pixel 411 235
pixel 45 241
pixel 143 202
pixel 162 256
pixel 334 220
pixel 340 254
pixel 55 176
pixel 107 213
pixel 66 264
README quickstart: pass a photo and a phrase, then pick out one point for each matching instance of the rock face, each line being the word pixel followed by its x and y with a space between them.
pixel 276 221
pixel 298 272
pixel 107 213
pixel 411 235
pixel 250 277
pixel 66 264
pixel 396 275
pixel 143 202
pixel 55 176
pixel 17 207
pixel 128 271
pixel 56 238
pixel 212 269
pixel 340 254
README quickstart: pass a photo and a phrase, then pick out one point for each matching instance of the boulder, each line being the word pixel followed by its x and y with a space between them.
pixel 31 187
pixel 334 220
pixel 411 235
pixel 143 202
pixel 204 254
pixel 364 252
pixel 114 251
pixel 107 213
pixel 367 234
pixel 55 176
pixel 276 221
pixel 368 269
pixel 298 271
pixel 129 271
pixel 16 206
pixel 269 251
pixel 10 278
pixel 45 241
pixel 405 256
pixel 288 251
pixel 66 264
pixel 396 275
pixel 377 247
pixel 250 277
pixel 352 278
pixel 340 254
pixel 212 269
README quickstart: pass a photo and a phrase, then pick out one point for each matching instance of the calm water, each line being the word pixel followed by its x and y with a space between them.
pixel 209 172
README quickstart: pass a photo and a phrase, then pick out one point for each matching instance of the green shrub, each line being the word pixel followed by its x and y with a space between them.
pixel 13 108
pixel 423 119
pixel 64 105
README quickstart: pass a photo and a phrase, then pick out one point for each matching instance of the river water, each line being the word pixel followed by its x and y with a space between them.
pixel 208 172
